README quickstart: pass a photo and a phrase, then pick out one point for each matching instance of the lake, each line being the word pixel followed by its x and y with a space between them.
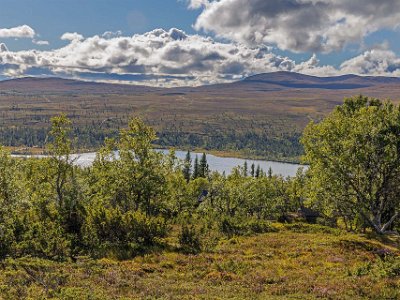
pixel 220 164
pixel 216 163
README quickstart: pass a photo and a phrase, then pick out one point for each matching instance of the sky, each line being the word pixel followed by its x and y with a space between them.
pixel 196 42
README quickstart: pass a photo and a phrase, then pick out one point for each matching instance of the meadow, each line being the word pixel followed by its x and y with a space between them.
pixel 299 261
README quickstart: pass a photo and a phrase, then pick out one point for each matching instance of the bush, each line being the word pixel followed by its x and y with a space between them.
pixel 123 235
pixel 45 239
pixel 387 267
pixel 189 240
pixel 312 228
pixel 6 240
pixel 236 226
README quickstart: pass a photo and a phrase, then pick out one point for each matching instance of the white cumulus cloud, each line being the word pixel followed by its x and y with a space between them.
pixel 373 62
pixel 40 42
pixel 195 4
pixel 72 36
pixel 174 58
pixel 23 31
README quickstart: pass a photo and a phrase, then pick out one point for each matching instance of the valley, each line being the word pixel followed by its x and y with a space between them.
pixel 262 116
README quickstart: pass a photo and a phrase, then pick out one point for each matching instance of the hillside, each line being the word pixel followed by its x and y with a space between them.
pixel 273 81
pixel 54 85
pixel 262 115
pixel 344 82
pixel 299 262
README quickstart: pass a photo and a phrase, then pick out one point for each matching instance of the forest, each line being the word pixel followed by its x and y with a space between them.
pixel 142 202
pixel 92 136
pixel 251 123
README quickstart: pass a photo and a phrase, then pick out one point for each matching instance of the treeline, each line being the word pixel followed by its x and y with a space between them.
pixel 86 137
pixel 285 147
pixel 127 204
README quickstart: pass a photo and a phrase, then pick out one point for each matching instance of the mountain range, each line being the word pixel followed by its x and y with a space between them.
pixel 267 82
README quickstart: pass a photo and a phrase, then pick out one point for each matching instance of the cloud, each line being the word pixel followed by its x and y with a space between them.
pixel 373 62
pixel 72 36
pixel 170 57
pixel 173 58
pixel 40 42
pixel 297 25
pixel 23 31
pixel 195 4
pixel 111 34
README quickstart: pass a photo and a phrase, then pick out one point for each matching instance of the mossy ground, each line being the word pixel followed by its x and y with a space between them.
pixel 298 262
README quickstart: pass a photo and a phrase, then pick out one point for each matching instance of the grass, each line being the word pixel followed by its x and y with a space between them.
pixel 298 262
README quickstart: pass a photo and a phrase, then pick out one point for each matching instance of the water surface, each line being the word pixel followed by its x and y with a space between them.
pixel 220 164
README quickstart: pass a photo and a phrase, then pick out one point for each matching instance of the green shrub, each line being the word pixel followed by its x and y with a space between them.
pixel 237 226
pixel 259 226
pixel 45 239
pixel 393 267
pixel 6 240
pixel 189 240
pixel 111 232
pixel 388 267
pixel 311 228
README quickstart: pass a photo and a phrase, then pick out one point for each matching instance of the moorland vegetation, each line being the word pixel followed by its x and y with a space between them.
pixel 141 204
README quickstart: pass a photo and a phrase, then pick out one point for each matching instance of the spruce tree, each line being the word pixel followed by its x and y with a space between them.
pixel 187 168
pixel 253 170
pixel 245 169
pixel 203 169
pixel 270 172
pixel 196 168
pixel 258 171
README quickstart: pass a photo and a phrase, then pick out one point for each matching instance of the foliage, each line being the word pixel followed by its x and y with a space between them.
pixel 354 157
pixel 189 240
pixel 128 201
pixel 137 202
pixel 281 265
pixel 9 202
pixel 236 227
pixel 109 232
pixel 134 180
pixel 187 169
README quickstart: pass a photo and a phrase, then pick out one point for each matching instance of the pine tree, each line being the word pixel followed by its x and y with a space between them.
pixel 196 168
pixel 258 171
pixel 253 170
pixel 203 170
pixel 270 173
pixel 187 168
pixel 245 169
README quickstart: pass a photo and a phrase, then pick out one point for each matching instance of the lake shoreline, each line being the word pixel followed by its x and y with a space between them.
pixel 219 153
pixel 224 154
pixel 223 165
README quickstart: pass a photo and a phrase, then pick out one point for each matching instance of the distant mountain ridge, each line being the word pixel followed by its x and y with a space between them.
pixel 55 84
pixel 343 82
pixel 274 81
